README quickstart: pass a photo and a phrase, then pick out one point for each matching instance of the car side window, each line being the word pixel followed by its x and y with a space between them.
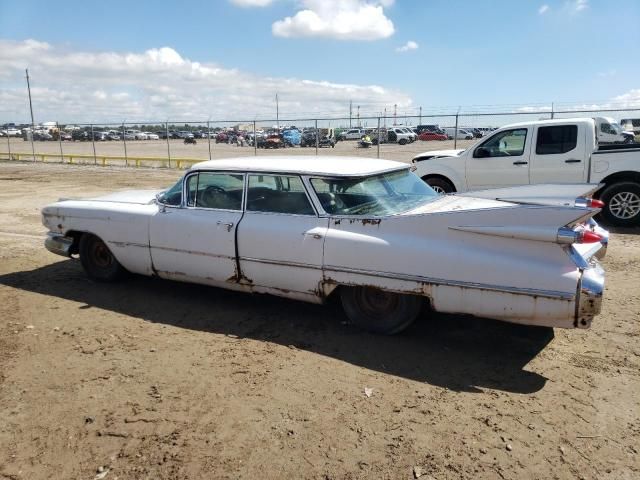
pixel 509 143
pixel 215 190
pixel 278 194
pixel 556 139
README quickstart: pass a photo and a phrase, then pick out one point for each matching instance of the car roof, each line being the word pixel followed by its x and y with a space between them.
pixel 330 166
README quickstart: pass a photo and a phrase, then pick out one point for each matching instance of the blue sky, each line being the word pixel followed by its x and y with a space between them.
pixel 468 53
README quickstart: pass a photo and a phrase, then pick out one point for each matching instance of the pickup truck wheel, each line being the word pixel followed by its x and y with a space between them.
pixel 402 141
pixel 97 260
pixel 379 311
pixel 440 185
pixel 622 204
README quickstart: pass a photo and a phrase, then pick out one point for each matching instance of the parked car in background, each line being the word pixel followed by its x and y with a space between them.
pixel 400 135
pixel 291 137
pixel 544 151
pixel 152 136
pixel 352 134
pixel 65 136
pixel 427 135
pixel 80 135
pixel 12 132
pixel 461 134
pixel 631 125
pixel 100 136
pixel 370 233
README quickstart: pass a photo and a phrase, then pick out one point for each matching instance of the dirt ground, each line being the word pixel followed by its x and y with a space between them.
pixel 150 379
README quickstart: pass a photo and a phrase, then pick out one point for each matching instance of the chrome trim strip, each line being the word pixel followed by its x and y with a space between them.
pixel 575 256
pixel 455 283
pixel 191 252
pixel 282 263
pixel 127 244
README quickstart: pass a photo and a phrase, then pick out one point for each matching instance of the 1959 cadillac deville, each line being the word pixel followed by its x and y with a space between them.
pixel 368 230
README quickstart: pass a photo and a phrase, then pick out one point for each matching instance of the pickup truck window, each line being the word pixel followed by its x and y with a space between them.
pixel 556 139
pixel 509 143
pixel 278 194
pixel 215 190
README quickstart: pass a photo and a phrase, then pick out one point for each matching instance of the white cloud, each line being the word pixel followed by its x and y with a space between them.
pixel 576 6
pixel 252 3
pixel 78 86
pixel 543 9
pixel 410 45
pixel 608 73
pixel 338 19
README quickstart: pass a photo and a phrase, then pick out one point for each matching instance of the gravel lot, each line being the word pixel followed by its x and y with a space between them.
pixel 158 148
pixel 151 379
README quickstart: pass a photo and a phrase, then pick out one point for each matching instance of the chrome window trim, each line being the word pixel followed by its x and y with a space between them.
pixel 248 174
pixel 190 174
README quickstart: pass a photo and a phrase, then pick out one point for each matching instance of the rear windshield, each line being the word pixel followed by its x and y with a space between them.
pixel 378 195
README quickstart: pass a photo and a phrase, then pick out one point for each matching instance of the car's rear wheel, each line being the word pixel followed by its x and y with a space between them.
pixel 379 311
pixel 97 260
pixel 440 185
pixel 402 141
pixel 622 204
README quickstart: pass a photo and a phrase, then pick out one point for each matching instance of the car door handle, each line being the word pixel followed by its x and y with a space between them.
pixel 315 235
pixel 572 160
pixel 520 163
pixel 228 225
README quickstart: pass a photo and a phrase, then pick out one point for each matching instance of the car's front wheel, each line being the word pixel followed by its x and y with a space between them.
pixel 440 185
pixel 97 260
pixel 379 311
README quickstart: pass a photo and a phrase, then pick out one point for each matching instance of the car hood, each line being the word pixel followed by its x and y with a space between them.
pixel 140 197
pixel 440 153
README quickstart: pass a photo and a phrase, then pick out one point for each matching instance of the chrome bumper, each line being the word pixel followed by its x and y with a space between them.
pixel 58 244
pixel 605 239
pixel 590 293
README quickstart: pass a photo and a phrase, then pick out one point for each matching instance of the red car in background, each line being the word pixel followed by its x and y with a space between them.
pixel 432 136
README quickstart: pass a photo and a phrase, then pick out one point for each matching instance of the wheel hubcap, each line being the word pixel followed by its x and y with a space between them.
pixel 439 190
pixel 101 255
pixel 377 303
pixel 624 205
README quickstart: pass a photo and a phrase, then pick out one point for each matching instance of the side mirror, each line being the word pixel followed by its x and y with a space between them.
pixel 481 152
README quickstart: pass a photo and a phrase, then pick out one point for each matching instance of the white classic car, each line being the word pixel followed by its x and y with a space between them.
pixel 368 230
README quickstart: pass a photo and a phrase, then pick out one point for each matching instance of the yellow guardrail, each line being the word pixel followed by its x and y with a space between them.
pixel 104 159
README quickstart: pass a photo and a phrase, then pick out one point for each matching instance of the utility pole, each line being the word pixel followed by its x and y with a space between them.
pixel 395 113
pixel 33 125
pixel 350 112
pixel 385 117
pixel 277 113
pixel 358 115
pixel 420 121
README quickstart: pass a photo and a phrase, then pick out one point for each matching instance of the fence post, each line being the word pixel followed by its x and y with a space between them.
pixel 255 139
pixel 209 137
pixel 93 142
pixel 166 130
pixel 455 134
pixel 124 139
pixel 379 139
pixel 551 110
pixel 60 141
pixel 9 143
pixel 317 137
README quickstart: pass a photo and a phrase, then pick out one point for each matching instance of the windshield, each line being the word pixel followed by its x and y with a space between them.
pixel 616 128
pixel 384 194
pixel 172 196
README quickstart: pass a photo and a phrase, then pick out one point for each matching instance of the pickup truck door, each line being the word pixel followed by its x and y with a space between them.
pixel 196 241
pixel 559 154
pixel 281 238
pixel 502 159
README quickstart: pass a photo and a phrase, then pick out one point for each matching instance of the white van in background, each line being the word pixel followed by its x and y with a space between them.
pixel 608 131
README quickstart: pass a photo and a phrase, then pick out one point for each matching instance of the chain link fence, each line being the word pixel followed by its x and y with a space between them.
pixel 180 144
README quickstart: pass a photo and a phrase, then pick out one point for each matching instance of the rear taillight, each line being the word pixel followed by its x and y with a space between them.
pixel 567 235
pixel 593 203
pixel 587 236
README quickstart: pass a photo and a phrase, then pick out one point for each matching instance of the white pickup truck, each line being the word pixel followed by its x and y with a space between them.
pixel 545 151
